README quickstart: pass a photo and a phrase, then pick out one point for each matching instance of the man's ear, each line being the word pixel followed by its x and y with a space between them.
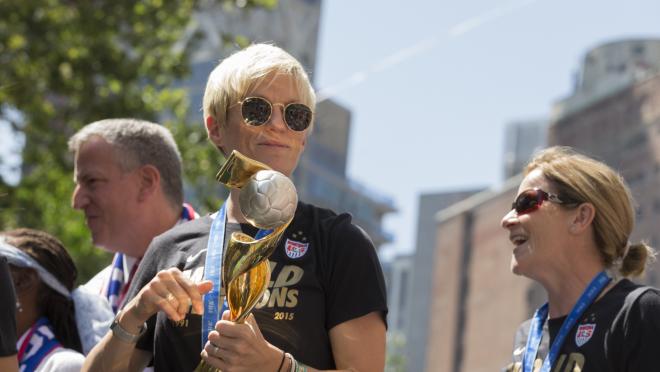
pixel 582 218
pixel 149 178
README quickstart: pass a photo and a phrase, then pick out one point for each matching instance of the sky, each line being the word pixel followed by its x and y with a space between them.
pixel 432 84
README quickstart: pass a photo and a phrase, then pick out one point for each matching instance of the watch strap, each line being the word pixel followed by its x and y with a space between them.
pixel 124 335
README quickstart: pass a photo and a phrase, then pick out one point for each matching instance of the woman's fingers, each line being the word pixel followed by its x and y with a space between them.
pixel 213 355
pixel 180 290
pixel 154 297
pixel 174 294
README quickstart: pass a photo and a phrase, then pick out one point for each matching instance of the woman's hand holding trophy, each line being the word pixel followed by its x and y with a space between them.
pixel 268 201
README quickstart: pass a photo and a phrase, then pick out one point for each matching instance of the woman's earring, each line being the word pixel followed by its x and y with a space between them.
pixel 19 308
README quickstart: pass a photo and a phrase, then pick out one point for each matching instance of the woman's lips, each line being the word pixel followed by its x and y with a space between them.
pixel 518 239
pixel 273 144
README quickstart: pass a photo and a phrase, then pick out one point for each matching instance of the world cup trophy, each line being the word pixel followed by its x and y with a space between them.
pixel 268 200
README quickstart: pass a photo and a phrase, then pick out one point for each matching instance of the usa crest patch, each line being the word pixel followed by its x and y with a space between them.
pixel 295 249
pixel 584 333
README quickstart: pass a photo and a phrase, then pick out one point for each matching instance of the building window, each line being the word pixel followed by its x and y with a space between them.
pixel 635 178
pixel 403 312
pixel 637 140
pixel 638 49
pixel 640 213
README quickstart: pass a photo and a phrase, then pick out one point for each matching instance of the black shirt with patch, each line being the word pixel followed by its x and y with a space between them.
pixel 338 278
pixel 620 332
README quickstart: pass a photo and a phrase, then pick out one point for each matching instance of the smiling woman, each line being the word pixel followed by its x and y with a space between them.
pixel 570 225
pixel 276 144
pixel 324 308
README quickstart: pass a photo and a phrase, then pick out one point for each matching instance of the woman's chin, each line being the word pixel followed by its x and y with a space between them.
pixel 516 266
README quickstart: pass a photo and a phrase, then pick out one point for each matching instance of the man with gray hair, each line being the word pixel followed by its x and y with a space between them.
pixel 129 186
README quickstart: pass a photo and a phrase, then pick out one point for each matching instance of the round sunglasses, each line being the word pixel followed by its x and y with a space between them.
pixel 530 200
pixel 257 111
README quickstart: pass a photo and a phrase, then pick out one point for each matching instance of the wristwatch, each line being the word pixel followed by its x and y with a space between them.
pixel 123 334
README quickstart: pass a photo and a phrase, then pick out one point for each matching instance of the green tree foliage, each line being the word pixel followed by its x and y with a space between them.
pixel 395 360
pixel 69 63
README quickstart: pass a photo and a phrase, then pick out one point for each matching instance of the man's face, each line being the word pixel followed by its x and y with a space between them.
pixel 106 195
pixel 272 143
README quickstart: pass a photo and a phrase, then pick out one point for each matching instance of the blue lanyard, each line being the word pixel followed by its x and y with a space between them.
pixel 536 328
pixel 212 272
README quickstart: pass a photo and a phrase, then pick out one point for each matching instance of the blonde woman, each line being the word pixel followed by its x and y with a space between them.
pixel 325 306
pixel 570 227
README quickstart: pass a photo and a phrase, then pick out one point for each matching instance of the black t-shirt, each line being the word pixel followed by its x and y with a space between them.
pixel 620 332
pixel 324 272
pixel 7 311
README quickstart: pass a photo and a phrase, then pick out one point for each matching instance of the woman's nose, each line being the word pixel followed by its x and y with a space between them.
pixel 509 219
pixel 277 117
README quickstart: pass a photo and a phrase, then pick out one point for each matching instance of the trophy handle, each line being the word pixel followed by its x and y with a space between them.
pixel 244 292
pixel 243 253
pixel 237 170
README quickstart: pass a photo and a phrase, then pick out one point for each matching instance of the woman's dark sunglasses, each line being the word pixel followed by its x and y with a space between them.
pixel 530 200
pixel 257 111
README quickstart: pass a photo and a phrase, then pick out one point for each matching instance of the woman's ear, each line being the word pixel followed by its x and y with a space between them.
pixel 214 132
pixel 582 218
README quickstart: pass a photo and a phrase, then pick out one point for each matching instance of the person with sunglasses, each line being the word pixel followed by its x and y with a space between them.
pixel 570 227
pixel 325 306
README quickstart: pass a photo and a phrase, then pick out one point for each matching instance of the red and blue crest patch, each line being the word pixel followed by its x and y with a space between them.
pixel 295 249
pixel 584 333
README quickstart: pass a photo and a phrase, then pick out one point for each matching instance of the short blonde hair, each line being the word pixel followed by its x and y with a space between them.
pixel 581 179
pixel 238 74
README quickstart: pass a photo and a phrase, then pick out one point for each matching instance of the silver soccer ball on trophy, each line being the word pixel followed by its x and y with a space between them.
pixel 268 199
